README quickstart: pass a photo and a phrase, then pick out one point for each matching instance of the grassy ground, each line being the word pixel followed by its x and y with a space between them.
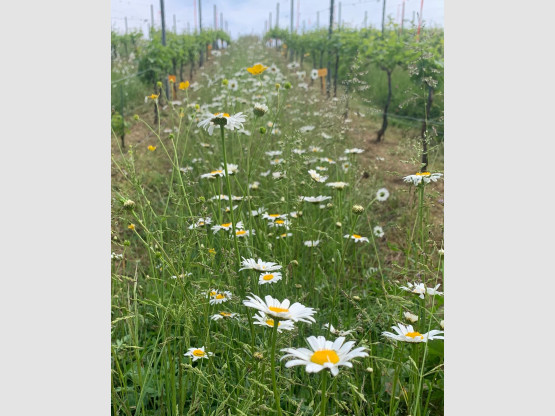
pixel 161 285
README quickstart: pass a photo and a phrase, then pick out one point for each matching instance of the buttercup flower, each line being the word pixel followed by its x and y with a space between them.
pixel 357 238
pixel 281 310
pixel 184 85
pixel 261 266
pixel 151 148
pixel 270 277
pixel 324 354
pixel 408 334
pixel 198 353
pixel 264 320
pixel 257 69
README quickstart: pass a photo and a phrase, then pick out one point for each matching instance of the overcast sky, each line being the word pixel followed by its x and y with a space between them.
pixel 249 16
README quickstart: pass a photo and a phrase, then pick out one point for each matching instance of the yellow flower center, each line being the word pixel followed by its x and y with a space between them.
pixel 280 222
pixel 423 173
pixel 227 224
pixel 241 232
pixel 201 223
pixel 211 251
pixel 212 293
pixel 270 322
pixel 356 236
pixel 325 356
pixel 220 296
pixel 199 353
pixel 273 215
pixel 268 277
pixel 414 335
pixel 216 171
pixel 221 114
pixel 278 310
pixel 226 314
pixel 283 235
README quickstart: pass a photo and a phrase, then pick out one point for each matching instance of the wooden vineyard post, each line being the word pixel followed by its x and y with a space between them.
pixel 322 73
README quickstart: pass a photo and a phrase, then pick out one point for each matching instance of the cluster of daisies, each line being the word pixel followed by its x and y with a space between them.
pixel 284 315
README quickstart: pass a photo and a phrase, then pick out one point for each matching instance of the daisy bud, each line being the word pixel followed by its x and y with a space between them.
pixel 441 252
pixel 197 107
pixel 410 317
pixel 171 136
pixel 357 209
pixel 127 243
pixel 329 205
pixel 225 81
pixel 258 355
pixel 338 224
pixel 287 85
pixel 262 130
pixel 201 199
pixel 370 369
pixel 278 86
pixel 136 117
pixel 159 84
pixel 129 204
pixel 131 226
pixel 357 298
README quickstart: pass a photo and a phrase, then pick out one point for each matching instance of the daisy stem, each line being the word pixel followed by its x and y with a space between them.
pixel 324 397
pixel 231 208
pixel 273 360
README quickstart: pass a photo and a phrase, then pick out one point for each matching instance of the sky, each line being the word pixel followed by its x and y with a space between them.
pixel 246 17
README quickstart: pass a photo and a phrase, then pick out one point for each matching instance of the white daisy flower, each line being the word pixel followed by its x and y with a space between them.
pixel 324 354
pixel 254 186
pixel 276 161
pixel 228 209
pixel 284 235
pixel 232 85
pixel 220 197
pixel 270 277
pixel 273 153
pixel 264 174
pixel 299 151
pixel 198 353
pixel 416 288
pixel 279 175
pixel 345 166
pixel 433 291
pixel 117 256
pixel 223 315
pixel 201 222
pixel 274 69
pixel 316 176
pixel 217 297
pixel 382 194
pixel 311 243
pixel 296 214
pixel 301 74
pixel 186 169
pixel 227 226
pixel 306 129
pixel 279 223
pixel 244 233
pixel 408 334
pixel 356 237
pixel 321 168
pixel 232 168
pixel 410 317
pixel 261 266
pixel 315 199
pixel 314 74
pixel 425 177
pixel 354 150
pixel 213 174
pixel 260 109
pixel 257 212
pixel 234 122
pixel 281 310
pixel 378 231
pixel 336 331
pixel 273 217
pixel 326 136
pixel 337 185
pixel 315 149
pixel 327 160
pixel 264 320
